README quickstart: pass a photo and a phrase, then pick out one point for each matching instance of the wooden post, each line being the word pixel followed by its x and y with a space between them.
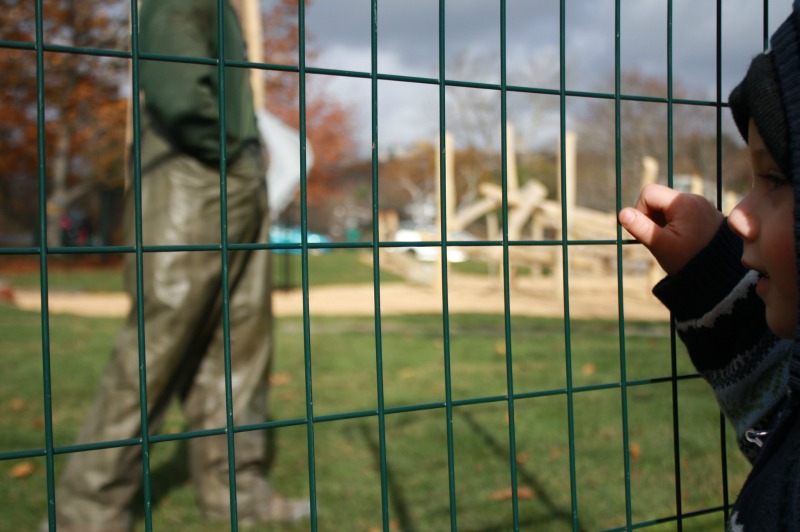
pixel 512 190
pixel 570 154
pixel 450 196
pixel 566 198
pixel 250 17
pixel 729 200
pixel 697 185
pixel 512 178
pixel 649 170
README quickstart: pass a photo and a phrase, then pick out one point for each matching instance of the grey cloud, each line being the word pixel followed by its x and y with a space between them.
pixel 408 38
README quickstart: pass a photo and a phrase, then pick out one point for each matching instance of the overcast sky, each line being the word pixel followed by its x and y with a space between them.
pixel 408 44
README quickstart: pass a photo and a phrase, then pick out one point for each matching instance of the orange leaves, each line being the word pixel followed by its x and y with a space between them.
pixel 393 525
pixel 22 470
pixel 635 452
pixel 329 126
pixel 278 379
pixel 17 404
pixel 80 91
pixel 508 493
pixel 330 123
pixel 588 369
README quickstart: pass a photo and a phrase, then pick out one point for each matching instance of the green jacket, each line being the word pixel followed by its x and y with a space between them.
pixel 183 98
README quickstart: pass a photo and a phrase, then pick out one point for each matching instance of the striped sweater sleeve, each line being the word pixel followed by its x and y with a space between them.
pixel 722 321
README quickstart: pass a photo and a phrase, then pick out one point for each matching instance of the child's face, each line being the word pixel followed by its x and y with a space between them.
pixel 765 220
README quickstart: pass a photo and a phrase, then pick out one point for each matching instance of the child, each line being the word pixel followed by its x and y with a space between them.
pixel 732 284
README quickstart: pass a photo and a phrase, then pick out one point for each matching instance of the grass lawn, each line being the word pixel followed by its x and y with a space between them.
pixel 557 435
pixel 334 267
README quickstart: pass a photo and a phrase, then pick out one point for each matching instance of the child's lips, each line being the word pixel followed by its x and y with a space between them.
pixel 763 282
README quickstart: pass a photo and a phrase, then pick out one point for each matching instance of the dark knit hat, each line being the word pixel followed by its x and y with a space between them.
pixel 759 96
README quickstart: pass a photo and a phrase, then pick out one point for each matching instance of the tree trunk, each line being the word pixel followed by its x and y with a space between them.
pixel 57 200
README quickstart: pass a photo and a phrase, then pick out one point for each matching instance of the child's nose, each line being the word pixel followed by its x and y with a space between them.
pixel 742 223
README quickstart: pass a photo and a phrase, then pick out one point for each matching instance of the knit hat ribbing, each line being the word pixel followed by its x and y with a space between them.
pixel 785 44
pixel 759 96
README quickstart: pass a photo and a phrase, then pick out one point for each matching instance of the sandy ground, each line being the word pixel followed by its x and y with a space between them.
pixel 590 297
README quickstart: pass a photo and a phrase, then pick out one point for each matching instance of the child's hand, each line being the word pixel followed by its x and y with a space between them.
pixel 674 226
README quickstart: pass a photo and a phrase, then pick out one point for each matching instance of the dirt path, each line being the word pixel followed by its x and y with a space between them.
pixel 594 297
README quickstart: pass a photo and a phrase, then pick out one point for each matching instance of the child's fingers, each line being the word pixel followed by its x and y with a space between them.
pixel 672 225
pixel 655 200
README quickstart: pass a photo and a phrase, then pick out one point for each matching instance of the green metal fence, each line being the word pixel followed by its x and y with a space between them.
pixel 512 396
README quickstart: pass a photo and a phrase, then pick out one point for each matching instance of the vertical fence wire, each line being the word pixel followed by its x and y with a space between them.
pixel 448 383
pixel 139 265
pixel 722 421
pixel 43 253
pixel 562 93
pixel 309 389
pixel 676 441
pixel 512 438
pixel 376 274
pixel 620 299
pixel 225 288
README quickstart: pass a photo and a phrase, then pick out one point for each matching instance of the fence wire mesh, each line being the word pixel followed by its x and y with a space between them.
pixel 521 403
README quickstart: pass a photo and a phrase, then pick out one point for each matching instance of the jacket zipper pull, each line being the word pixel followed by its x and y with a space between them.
pixel 755 436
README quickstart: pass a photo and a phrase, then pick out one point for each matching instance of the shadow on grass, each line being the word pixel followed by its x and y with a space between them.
pixel 397 500
pixel 528 478
pixel 171 474
pixel 400 507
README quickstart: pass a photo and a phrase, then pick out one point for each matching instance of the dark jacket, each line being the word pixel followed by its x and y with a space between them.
pixel 183 98
pixel 755 376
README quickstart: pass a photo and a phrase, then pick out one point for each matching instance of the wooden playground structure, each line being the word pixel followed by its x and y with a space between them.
pixel 532 216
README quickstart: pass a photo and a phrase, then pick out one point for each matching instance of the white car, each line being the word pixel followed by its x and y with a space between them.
pixel 429 234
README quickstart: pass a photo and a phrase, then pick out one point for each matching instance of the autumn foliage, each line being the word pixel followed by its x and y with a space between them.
pixel 329 121
pixel 83 104
pixel 85 86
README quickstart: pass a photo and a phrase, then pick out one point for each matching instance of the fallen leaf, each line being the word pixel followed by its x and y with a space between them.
pixel 6 293
pixel 635 451
pixel 525 493
pixel 22 470
pixel 276 379
pixel 393 525
pixel 507 493
pixel 522 458
pixel 588 369
pixel 407 373
pixel 17 404
pixel 500 348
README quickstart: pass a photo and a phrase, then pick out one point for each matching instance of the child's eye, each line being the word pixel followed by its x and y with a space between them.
pixel 773 180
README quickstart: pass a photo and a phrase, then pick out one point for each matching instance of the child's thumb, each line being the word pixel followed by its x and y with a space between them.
pixel 638 225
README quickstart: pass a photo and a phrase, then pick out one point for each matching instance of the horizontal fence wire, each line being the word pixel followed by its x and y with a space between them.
pixel 508 400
